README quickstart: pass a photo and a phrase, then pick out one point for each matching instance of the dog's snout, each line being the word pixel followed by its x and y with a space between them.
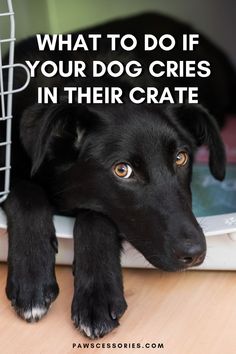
pixel 192 256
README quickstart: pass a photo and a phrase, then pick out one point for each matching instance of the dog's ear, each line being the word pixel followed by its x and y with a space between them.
pixel 55 131
pixel 203 127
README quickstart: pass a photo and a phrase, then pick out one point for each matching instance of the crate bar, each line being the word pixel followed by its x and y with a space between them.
pixel 6 105
pixel 4 168
pixel 5 143
pixel 7 13
pixel 26 82
pixel 2 86
pixel 7 40
pixel 5 118
pixel 9 97
pixel 6 95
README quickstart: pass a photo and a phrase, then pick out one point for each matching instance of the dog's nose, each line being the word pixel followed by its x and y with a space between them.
pixel 193 256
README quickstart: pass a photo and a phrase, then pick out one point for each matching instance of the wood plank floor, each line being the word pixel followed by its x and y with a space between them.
pixel 190 313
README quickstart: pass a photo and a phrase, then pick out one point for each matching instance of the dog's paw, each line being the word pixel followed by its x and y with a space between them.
pixel 32 313
pixel 97 313
pixel 31 298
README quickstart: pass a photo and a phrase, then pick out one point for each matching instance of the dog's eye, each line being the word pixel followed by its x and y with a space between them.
pixel 122 170
pixel 181 158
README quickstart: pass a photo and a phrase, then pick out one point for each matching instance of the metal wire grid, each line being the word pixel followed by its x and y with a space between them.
pixel 6 94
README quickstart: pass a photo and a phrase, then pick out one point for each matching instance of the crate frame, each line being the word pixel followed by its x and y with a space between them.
pixel 6 95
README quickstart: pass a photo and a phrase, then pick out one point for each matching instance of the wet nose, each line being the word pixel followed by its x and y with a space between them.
pixel 192 256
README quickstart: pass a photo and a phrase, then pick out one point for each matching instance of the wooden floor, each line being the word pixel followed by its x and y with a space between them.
pixel 190 313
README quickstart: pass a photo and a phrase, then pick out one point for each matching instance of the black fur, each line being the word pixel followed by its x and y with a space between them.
pixel 31 281
pixel 98 301
pixel 62 161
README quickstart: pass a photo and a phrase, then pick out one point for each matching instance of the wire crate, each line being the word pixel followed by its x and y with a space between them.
pixel 6 94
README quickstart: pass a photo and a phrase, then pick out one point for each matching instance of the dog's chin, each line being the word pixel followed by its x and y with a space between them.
pixel 171 268
pixel 167 266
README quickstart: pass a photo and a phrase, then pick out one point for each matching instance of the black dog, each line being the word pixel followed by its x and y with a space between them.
pixel 123 171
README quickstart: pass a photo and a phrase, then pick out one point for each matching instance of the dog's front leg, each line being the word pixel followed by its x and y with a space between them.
pixel 98 301
pixel 31 283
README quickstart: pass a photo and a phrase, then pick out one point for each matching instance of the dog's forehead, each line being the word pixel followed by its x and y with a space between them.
pixel 139 126
pixel 138 132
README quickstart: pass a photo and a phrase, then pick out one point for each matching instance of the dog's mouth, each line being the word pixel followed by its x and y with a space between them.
pixel 169 251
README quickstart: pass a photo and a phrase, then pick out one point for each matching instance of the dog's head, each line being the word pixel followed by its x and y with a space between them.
pixel 131 163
